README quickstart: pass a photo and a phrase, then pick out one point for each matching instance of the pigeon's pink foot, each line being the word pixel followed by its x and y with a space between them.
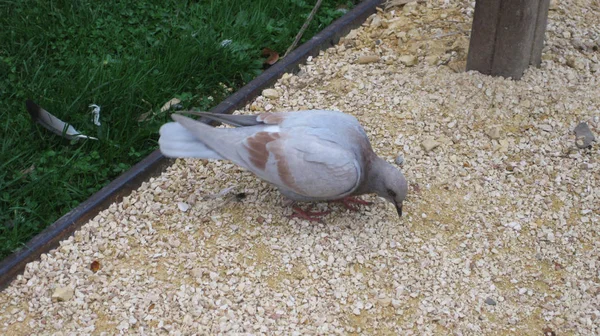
pixel 312 216
pixel 349 202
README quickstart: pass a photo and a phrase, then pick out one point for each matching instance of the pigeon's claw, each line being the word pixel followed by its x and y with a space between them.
pixel 311 216
pixel 349 202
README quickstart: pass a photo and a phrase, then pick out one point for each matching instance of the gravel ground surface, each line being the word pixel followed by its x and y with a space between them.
pixel 500 233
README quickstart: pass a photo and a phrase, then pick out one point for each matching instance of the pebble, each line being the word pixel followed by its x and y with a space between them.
pixel 576 62
pixel 583 135
pixel 514 225
pixel 376 21
pixel 368 59
pixel 183 206
pixel 63 293
pixel 545 127
pixel 490 301
pixel 124 325
pixel 385 302
pixel 429 144
pixel 431 59
pixel 270 93
pixel 399 160
pixel 408 60
pixel 493 132
pixel 504 144
pixel 410 6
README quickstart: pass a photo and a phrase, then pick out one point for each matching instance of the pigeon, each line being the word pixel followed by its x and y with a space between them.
pixel 310 156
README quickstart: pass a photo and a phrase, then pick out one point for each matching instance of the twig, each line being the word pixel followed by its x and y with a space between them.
pixel 304 27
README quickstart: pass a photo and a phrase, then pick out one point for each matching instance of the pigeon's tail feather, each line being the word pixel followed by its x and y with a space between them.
pixel 177 142
pixel 237 120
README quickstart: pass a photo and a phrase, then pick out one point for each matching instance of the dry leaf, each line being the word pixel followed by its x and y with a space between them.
pixel 168 105
pixel 151 307
pixel 28 170
pixel 171 104
pixel 271 55
pixel 52 123
pixel 144 116
pixel 95 266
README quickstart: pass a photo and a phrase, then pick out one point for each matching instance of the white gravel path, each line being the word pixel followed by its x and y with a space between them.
pixel 501 228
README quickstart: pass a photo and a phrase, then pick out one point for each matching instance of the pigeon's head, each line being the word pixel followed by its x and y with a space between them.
pixel 392 185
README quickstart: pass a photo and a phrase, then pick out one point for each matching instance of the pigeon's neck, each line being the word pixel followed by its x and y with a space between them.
pixel 372 176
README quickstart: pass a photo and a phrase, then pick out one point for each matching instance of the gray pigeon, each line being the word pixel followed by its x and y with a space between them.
pixel 309 155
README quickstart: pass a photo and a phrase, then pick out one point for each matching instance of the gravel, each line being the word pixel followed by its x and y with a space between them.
pixel 511 214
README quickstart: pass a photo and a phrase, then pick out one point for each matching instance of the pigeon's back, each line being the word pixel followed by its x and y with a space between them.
pixel 337 127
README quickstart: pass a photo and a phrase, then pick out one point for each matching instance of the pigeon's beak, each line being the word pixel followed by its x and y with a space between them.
pixel 399 209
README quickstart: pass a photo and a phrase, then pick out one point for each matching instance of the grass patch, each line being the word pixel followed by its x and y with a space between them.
pixel 129 57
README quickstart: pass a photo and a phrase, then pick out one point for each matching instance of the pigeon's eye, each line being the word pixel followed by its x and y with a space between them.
pixel 391 193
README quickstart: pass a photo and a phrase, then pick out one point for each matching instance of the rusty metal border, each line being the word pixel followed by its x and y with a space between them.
pixel 155 163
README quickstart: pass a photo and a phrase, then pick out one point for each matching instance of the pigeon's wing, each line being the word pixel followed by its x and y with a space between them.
pixel 288 157
pixel 305 165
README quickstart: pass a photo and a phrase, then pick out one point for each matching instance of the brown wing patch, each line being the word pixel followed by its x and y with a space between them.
pixel 285 174
pixel 283 168
pixel 271 118
pixel 257 148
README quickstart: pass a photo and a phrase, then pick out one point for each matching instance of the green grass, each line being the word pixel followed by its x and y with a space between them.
pixel 129 57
